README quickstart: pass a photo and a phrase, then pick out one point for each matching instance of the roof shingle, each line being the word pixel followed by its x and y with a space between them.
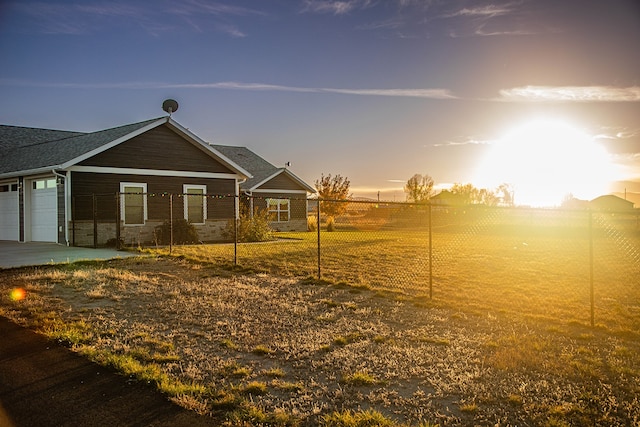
pixel 31 148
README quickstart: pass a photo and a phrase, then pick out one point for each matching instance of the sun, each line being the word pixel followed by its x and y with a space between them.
pixel 544 160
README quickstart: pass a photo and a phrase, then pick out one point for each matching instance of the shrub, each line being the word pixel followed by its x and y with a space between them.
pixel 331 224
pixel 183 233
pixel 251 228
pixel 312 223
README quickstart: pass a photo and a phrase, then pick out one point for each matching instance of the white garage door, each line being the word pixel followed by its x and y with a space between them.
pixel 44 212
pixel 9 215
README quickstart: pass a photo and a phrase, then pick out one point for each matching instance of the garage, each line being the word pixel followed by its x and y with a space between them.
pixel 9 212
pixel 44 212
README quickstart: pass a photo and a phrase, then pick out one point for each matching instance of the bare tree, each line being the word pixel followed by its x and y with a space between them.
pixel 419 188
pixel 505 192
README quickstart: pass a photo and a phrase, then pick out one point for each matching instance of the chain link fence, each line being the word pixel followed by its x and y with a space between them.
pixel 519 259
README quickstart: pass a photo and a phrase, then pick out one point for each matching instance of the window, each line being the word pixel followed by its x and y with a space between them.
pixel 195 203
pixel 5 188
pixel 133 203
pixel 278 210
pixel 41 184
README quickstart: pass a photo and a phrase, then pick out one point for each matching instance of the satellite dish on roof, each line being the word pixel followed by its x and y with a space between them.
pixel 170 106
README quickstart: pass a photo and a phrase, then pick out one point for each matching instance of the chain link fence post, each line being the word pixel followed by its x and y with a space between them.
pixel 318 237
pixel 118 245
pixel 94 200
pixel 430 254
pixel 236 218
pixel 170 223
pixel 591 290
pixel 73 221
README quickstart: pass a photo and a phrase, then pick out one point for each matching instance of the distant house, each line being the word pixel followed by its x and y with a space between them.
pixel 277 190
pixel 611 203
pixel 50 180
pixel 447 198
pixel 574 203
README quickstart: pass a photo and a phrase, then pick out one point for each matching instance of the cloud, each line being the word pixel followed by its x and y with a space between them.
pixel 511 18
pixel 390 24
pixel 570 94
pixel 483 31
pixel 466 141
pixel 402 93
pixel 412 93
pixel 53 18
pixel 231 30
pixel 480 11
pixel 80 18
pixel 333 6
pixel 620 140
pixel 109 9
pixel 198 7
pixel 517 94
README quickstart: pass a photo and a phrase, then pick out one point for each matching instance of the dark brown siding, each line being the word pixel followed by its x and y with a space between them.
pixel 220 204
pixel 297 203
pixel 281 182
pixel 159 148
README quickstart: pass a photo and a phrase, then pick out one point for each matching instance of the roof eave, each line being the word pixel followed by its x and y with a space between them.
pixel 290 174
pixel 36 171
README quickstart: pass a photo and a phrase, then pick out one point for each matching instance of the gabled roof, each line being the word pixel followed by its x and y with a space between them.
pixel 262 170
pixel 18 136
pixel 31 150
pixel 611 201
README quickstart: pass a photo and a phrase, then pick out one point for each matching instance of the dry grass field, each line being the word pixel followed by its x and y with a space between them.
pixel 506 339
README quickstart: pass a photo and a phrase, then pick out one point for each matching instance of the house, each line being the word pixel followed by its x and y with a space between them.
pixel 574 203
pixel 88 188
pixel 277 190
pixel 447 198
pixel 611 203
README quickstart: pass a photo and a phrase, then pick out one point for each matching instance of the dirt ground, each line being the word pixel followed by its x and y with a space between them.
pixel 320 348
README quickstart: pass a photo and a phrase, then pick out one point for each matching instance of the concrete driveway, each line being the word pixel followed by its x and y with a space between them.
pixel 14 254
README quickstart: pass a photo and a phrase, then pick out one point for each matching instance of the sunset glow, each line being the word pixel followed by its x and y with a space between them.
pixel 375 91
pixel 544 160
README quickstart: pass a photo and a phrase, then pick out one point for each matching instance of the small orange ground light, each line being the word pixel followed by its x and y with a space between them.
pixel 17 294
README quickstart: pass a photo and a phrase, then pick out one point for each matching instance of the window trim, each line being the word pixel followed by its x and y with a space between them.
pixel 277 209
pixel 123 217
pixel 185 188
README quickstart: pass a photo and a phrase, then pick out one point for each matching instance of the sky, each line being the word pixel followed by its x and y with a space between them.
pixel 374 90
